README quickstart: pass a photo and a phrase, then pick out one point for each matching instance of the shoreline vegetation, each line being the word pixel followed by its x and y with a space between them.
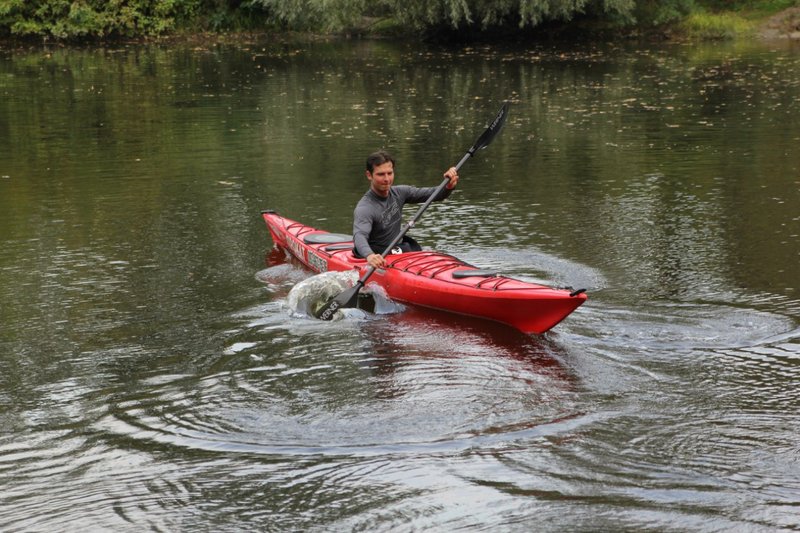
pixel 95 21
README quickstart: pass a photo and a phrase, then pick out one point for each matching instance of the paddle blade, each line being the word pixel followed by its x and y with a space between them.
pixel 493 129
pixel 345 299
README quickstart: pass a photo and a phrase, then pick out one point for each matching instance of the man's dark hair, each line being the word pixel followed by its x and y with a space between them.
pixel 377 159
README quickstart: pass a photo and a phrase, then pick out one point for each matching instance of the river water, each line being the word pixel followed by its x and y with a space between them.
pixel 153 377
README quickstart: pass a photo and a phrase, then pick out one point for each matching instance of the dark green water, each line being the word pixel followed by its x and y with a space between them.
pixel 153 377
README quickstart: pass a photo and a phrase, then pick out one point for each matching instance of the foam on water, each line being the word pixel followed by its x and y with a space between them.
pixel 308 296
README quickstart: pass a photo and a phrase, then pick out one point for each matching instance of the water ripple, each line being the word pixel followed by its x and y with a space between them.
pixel 390 388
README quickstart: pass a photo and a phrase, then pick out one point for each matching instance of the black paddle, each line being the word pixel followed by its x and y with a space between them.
pixel 349 298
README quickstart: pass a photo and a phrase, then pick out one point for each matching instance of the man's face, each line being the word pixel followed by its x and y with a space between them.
pixel 381 178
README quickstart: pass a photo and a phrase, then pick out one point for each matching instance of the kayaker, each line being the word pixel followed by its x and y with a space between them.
pixel 377 218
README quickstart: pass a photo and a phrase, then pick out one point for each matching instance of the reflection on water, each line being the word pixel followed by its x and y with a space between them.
pixel 154 377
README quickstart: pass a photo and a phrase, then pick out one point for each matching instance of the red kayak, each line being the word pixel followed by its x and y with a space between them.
pixel 432 279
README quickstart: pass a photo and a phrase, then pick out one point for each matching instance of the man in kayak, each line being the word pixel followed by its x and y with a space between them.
pixel 377 219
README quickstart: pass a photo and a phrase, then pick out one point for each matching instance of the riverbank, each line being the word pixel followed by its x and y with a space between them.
pixel 699 26
pixel 784 25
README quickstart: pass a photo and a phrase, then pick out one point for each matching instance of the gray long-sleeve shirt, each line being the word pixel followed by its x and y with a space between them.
pixel 376 220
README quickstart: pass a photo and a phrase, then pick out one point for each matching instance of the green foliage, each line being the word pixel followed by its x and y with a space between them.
pixel 67 19
pixel 316 15
pixel 220 15
pixel 421 14
pixel 657 12
pixel 712 26
pixel 755 5
pixel 418 15
pixel 93 18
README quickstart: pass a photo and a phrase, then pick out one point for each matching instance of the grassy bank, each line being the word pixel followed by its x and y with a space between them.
pixel 718 26
pixel 748 19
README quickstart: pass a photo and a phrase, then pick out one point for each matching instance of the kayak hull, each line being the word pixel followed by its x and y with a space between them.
pixel 432 279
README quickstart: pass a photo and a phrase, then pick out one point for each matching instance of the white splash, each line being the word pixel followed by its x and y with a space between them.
pixel 308 296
